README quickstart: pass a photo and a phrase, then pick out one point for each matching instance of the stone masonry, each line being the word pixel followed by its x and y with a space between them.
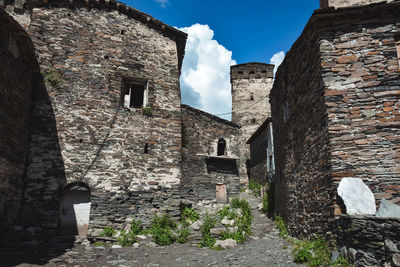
pixel 202 168
pixel 251 84
pixel 129 157
pixel 19 77
pixel 335 111
pixel 347 3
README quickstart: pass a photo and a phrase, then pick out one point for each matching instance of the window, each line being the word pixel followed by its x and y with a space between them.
pixel 221 147
pixel 251 97
pixel 135 94
pixel 254 120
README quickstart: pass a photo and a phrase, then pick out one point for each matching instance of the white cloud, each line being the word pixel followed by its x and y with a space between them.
pixel 163 3
pixel 205 79
pixel 277 59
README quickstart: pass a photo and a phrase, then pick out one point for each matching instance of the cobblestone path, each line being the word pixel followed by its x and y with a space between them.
pixel 264 248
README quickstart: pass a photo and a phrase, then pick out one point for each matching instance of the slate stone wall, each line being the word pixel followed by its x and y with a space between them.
pixel 361 73
pixel 85 54
pixel 258 156
pixel 19 75
pixel 369 241
pixel 347 3
pixel 251 84
pixel 303 193
pixel 335 106
pixel 200 134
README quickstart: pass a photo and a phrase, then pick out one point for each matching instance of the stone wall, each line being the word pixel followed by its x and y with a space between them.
pixel 127 156
pixel 258 154
pixel 361 74
pixel 200 134
pixel 251 85
pixel 303 195
pixel 348 3
pixel 369 241
pixel 19 75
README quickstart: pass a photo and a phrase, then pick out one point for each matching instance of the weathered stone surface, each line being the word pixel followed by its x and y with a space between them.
pixel 19 83
pixel 251 84
pixel 200 134
pixel 388 209
pixel 348 3
pixel 129 160
pixel 227 222
pixel 357 197
pixel 228 243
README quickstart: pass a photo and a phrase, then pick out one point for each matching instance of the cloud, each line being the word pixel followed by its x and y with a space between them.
pixel 277 59
pixel 205 79
pixel 163 3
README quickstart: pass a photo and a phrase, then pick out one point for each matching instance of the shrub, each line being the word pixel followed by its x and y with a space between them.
pixel 190 214
pixel 126 238
pixel 161 229
pixel 147 112
pixel 183 235
pixel 280 224
pixel 109 231
pixel 206 239
pixel 136 227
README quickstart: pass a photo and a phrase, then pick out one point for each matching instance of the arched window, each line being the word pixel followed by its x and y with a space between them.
pixel 221 147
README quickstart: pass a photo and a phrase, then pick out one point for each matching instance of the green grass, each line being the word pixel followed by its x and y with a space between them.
pixel 280 224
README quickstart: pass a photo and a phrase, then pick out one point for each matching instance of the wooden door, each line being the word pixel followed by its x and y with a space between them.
pixel 221 193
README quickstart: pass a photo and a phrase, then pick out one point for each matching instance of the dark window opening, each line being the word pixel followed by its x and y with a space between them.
pixel 122 32
pixel 254 120
pixel 252 72
pixel 240 72
pixel 146 148
pixel 251 97
pixel 134 95
pixel 264 71
pixel 221 147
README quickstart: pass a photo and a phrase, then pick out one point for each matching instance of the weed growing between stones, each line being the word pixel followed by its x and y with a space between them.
pixel 184 233
pixel 161 229
pixel 255 188
pixel 109 231
pixel 206 239
pixel 315 253
pixel 190 214
pixel 52 77
pixel 280 224
pixel 147 112
pixel 126 239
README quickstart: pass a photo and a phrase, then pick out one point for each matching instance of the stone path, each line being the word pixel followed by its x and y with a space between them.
pixel 264 248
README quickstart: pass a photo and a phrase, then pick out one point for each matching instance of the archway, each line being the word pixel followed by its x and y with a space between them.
pixel 74 210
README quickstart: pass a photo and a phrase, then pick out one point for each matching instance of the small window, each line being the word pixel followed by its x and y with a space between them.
pixel 221 147
pixel 252 72
pixel 264 71
pixel 251 97
pixel 240 72
pixel 254 120
pixel 135 95
pixel 146 148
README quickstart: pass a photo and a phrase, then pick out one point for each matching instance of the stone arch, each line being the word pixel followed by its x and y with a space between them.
pixel 74 209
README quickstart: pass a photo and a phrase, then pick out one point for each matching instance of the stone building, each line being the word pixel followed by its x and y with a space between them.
pixel 105 133
pixel 335 110
pixel 262 162
pixel 251 85
pixel 210 157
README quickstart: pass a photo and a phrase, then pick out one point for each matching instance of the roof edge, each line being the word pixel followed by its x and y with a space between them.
pixel 210 115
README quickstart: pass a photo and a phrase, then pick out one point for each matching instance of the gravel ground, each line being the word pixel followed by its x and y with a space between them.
pixel 264 248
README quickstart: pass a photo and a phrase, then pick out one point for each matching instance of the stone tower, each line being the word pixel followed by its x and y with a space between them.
pixel 251 84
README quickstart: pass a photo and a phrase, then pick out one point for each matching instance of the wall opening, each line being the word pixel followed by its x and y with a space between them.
pixel 135 94
pixel 221 147
pixel 74 210
pixel 221 193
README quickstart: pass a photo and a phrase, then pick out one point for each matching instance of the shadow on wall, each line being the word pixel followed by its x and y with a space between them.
pixel 32 174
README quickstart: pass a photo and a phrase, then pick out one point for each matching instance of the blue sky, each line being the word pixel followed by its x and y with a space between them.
pixel 226 32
